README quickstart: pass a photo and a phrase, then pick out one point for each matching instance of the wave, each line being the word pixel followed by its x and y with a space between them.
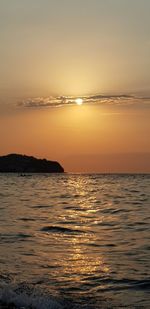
pixel 112 284
pixel 29 295
pixel 60 229
pixel 24 296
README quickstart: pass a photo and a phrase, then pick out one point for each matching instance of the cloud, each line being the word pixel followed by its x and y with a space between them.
pixel 60 101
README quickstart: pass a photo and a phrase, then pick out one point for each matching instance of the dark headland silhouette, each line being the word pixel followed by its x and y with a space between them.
pixel 16 163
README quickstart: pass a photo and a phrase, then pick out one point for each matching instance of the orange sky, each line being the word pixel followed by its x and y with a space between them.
pixel 54 51
pixel 83 138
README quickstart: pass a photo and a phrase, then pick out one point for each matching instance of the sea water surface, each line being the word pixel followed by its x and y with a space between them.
pixel 75 241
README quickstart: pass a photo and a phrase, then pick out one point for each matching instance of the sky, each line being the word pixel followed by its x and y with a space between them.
pixel 55 51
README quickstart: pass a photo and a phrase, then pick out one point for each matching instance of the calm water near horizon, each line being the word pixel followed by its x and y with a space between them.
pixel 75 241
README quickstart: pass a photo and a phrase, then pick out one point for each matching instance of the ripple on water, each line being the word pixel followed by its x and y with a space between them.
pixel 85 237
pixel 60 229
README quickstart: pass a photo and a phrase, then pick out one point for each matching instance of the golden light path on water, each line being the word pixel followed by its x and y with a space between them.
pixel 81 261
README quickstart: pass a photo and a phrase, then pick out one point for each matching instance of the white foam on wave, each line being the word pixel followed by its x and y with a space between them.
pixel 11 294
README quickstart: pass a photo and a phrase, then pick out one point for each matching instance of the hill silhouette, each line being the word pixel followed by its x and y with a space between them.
pixel 16 163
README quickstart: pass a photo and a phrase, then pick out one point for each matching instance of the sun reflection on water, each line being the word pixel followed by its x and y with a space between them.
pixel 83 263
pixel 83 260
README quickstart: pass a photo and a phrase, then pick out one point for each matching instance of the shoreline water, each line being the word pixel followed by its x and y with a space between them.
pixel 82 238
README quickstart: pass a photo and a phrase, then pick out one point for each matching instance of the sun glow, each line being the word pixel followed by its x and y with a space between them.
pixel 79 101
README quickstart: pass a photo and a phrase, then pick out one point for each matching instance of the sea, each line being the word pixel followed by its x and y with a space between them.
pixel 74 241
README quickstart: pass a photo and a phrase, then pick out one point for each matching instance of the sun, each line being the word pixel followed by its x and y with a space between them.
pixel 79 101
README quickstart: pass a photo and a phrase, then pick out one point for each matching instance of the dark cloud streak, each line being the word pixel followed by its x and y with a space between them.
pixel 61 101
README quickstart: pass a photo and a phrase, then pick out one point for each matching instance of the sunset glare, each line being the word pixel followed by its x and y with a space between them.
pixel 79 101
